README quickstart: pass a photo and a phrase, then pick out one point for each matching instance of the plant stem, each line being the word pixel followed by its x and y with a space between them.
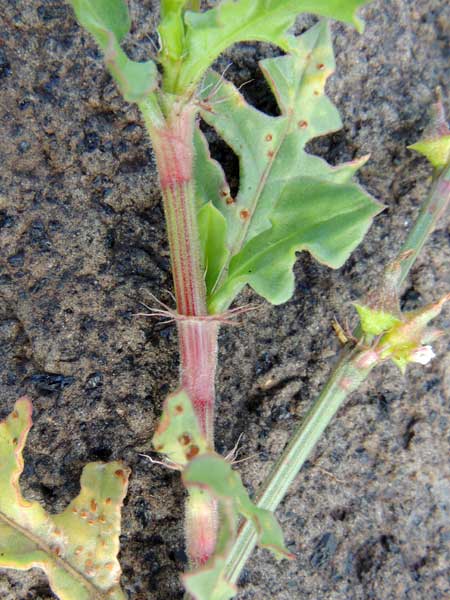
pixel 431 211
pixel 353 368
pixel 173 145
pixel 347 376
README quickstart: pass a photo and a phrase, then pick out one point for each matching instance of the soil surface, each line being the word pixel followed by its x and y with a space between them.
pixel 82 242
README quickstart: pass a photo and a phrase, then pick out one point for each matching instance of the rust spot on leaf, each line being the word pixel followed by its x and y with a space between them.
pixel 74 510
pixel 321 66
pixel 91 521
pixel 15 442
pixel 244 214
pixel 15 414
pixel 303 124
pixel 179 409
pixel 93 505
pixel 192 452
pixel 269 137
pixel 84 514
pixel 109 566
pixel 271 154
pixel 230 200
pixel 108 501
pixel 184 439
pixel 102 519
pixel 120 474
pixel 78 550
pixel 56 550
pixel 57 532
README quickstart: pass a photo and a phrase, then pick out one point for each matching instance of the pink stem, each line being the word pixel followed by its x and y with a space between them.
pixel 174 149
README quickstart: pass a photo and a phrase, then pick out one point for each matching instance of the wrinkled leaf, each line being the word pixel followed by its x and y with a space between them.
pixel 273 159
pixel 78 548
pixel 108 22
pixel 178 435
pixel 211 32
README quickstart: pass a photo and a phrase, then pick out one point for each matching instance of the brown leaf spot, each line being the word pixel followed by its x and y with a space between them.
pixel 78 550
pixel 57 532
pixel 269 137
pixel 109 566
pixel 321 66
pixel 93 505
pixel 184 439
pixel 102 519
pixel 179 409
pixel 15 440
pixel 74 510
pixel 88 564
pixel 108 501
pixel 192 452
pixel 230 200
pixel 303 124
pixel 244 214
pixel 15 414
pixel 56 550
pixel 121 475
pixel 84 514
pixel 271 154
pixel 92 521
pixel 316 93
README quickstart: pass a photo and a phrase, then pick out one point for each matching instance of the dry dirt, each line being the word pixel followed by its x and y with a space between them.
pixel 82 241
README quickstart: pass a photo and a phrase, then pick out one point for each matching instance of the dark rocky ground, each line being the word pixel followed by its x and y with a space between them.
pixel 82 241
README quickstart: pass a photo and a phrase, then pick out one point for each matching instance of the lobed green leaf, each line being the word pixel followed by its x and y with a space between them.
pixel 108 22
pixel 211 32
pixel 78 548
pixel 277 175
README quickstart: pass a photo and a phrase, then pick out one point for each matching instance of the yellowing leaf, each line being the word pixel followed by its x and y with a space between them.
pixel 78 548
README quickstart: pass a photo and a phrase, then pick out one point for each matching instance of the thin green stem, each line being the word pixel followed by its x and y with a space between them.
pixel 431 212
pixel 353 368
pixel 351 371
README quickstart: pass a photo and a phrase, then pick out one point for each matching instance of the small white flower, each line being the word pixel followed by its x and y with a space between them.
pixel 422 355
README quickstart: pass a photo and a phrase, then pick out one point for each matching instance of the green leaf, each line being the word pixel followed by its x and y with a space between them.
pixel 213 231
pixel 108 22
pixel 271 150
pixel 329 220
pixel 375 322
pixel 437 150
pixel 78 548
pixel 211 32
pixel 178 435
pixel 209 583
pixel 214 474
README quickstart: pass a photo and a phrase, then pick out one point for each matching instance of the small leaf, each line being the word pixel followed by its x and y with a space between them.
pixel 209 583
pixel 78 548
pixel 178 435
pixel 213 231
pixel 326 219
pixel 213 473
pixel 211 32
pixel 108 22
pixel 375 322
pixel 435 144
pixel 437 151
